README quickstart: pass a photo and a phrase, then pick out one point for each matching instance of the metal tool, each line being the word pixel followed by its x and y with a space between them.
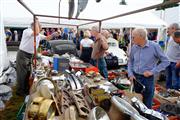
pixel 142 87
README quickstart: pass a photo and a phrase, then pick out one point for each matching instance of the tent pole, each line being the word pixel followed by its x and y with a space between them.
pixel 130 43
pixel 34 17
pixel 59 11
pixel 100 23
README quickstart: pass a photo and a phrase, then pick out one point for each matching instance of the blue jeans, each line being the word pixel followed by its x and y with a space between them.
pixel 172 77
pixel 148 93
pixel 102 66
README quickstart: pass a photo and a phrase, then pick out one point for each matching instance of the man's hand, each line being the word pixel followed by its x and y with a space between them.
pixel 147 73
pixel 132 78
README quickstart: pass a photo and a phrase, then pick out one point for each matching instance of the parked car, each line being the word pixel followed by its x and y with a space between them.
pixel 63 46
pixel 116 51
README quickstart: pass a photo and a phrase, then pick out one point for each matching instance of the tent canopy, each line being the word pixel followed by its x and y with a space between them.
pixel 16 15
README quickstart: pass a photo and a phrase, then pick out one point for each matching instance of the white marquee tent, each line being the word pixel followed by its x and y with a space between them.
pixel 15 15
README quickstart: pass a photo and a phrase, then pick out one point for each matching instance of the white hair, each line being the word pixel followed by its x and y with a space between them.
pixel 95 28
pixel 105 33
pixel 142 32
pixel 175 25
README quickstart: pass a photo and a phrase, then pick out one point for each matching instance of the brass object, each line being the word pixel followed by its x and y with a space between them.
pixel 41 109
pixel 34 107
pixel 47 110
pixel 33 111
pixel 38 100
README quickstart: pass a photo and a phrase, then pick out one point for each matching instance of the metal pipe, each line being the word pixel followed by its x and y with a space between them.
pixel 34 17
pixel 59 11
pixel 87 23
pixel 24 5
pixel 58 24
pixel 66 17
pixel 143 9
pixel 100 23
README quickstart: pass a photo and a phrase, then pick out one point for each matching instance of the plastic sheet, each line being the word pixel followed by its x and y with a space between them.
pixel 2 105
pixel 5 92
pixel 4 63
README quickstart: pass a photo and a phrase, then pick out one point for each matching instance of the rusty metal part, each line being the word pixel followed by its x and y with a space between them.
pixel 88 98
pixel 81 104
pixel 63 100
pixel 56 103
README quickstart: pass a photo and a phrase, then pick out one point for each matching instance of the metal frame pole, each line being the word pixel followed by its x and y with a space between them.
pixel 35 52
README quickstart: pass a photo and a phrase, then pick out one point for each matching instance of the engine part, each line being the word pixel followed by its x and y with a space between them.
pixel 81 104
pixel 63 100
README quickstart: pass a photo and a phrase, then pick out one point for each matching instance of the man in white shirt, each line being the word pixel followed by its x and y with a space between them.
pixel 25 55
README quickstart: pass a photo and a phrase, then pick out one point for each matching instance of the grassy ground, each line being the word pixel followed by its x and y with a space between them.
pixel 12 107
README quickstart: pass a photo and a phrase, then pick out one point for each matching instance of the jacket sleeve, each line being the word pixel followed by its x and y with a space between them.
pixel 164 62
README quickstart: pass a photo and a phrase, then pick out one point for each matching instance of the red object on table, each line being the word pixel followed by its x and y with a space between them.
pixel 91 68
pixel 156 104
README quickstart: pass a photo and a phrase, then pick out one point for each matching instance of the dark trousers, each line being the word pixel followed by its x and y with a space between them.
pixel 23 70
pixel 148 93
pixel 172 76
pixel 86 54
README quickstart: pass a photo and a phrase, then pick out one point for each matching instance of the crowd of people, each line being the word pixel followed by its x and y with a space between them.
pixel 146 58
pixel 12 36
